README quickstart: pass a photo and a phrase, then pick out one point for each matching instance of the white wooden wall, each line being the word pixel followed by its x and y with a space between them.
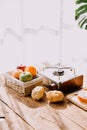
pixel 34 31
pixel 29 32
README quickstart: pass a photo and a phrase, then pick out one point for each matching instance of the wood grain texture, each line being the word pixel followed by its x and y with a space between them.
pixel 11 120
pixel 44 115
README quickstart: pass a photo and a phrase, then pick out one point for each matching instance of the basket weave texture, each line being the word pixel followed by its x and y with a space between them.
pixel 24 88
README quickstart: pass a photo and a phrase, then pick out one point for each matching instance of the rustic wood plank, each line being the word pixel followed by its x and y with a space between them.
pixel 12 121
pixel 42 115
pixel 71 111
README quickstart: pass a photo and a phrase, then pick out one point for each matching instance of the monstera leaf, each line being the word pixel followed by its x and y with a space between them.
pixel 81 13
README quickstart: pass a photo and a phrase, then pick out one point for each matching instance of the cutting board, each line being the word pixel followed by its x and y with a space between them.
pixel 72 97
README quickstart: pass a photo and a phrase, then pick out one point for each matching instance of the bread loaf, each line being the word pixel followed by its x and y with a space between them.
pixel 37 93
pixel 55 96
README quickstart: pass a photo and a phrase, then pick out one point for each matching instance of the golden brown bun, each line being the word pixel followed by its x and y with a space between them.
pixel 82 96
pixel 55 96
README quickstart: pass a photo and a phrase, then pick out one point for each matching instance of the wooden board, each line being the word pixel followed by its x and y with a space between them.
pixel 74 99
pixel 42 115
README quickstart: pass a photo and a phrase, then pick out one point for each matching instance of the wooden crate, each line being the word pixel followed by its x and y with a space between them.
pixel 24 88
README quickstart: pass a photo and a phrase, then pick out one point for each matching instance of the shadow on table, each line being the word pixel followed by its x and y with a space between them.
pixel 28 101
pixel 59 105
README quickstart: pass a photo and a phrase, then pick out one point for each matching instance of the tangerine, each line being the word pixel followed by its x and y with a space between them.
pixel 16 73
pixel 31 69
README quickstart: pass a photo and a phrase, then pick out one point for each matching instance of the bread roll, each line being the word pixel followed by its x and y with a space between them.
pixel 55 96
pixel 37 93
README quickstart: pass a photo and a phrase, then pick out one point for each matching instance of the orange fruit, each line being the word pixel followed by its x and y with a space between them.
pixel 31 69
pixel 82 96
pixel 16 73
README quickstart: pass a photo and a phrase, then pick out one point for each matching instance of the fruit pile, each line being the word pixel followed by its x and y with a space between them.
pixel 25 73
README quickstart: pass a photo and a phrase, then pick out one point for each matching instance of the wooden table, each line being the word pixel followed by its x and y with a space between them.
pixel 23 113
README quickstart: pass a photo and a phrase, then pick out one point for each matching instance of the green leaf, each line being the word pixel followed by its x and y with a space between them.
pixel 76 16
pixel 80 13
pixel 81 10
pixel 86 27
pixel 84 22
pixel 81 21
pixel 81 1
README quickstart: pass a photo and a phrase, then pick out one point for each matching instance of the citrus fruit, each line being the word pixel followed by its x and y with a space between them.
pixel 16 73
pixel 31 69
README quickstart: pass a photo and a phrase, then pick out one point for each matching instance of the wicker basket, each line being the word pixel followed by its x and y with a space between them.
pixel 24 88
